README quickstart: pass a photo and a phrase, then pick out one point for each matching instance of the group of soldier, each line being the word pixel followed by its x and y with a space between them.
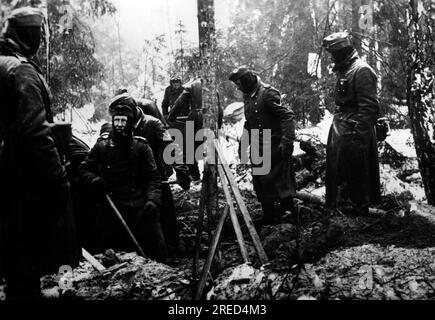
pixel 53 189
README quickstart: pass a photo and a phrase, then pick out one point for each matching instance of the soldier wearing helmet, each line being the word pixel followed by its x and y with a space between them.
pixel 352 173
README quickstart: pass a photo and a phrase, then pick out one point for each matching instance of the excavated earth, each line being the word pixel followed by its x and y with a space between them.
pixel 382 256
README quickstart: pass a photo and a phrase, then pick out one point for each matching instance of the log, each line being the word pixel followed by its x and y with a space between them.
pixel 233 216
pixel 211 252
pixel 311 198
pixel 246 216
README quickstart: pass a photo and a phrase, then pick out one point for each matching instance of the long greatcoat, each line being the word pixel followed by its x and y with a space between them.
pixel 263 110
pixel 352 157
pixel 37 232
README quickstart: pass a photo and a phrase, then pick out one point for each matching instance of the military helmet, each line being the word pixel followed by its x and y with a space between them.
pixel 337 41
pixel 26 17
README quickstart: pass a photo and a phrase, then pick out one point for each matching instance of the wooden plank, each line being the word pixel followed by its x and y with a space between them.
pixel 233 216
pixel 246 216
pixel 211 252
pixel 199 229
pixel 94 262
pixel 124 224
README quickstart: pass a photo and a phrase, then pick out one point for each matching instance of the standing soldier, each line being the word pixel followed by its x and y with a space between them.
pixel 188 109
pixel 123 166
pixel 171 94
pixel 352 167
pixel 264 111
pixel 37 233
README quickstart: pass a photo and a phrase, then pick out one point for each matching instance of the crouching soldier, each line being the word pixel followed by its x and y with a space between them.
pixel 123 166
pixel 153 130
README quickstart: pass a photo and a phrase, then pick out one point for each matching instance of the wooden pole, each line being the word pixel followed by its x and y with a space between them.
pixel 207 48
pixel 199 225
pixel 124 224
pixel 251 228
pixel 233 215
pixel 213 245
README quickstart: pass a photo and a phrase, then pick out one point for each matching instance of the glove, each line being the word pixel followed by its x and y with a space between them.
pixel 149 210
pixel 99 185
pixel 183 180
pixel 286 150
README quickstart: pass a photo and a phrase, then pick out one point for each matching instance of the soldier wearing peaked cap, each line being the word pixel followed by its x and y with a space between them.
pixel 264 111
pixel 352 173
pixel 37 233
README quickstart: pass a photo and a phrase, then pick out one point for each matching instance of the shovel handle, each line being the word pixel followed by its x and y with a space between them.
pixel 124 224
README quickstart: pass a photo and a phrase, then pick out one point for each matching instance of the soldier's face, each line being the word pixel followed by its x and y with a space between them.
pixel 176 85
pixel 120 123
pixel 238 83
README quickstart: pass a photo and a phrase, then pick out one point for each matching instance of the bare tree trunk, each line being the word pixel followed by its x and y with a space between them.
pixel 420 93
pixel 356 4
pixel 207 46
pixel 121 63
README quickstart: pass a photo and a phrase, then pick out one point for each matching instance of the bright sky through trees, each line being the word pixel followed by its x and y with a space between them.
pixel 143 19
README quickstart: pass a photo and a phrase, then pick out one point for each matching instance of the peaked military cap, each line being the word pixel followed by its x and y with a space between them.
pixel 26 17
pixel 238 73
pixel 337 41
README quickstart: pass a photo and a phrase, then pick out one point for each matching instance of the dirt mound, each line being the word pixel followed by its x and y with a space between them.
pixel 132 278
pixel 364 272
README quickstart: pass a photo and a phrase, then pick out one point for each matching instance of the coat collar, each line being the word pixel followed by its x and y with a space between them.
pixel 347 62
pixel 11 47
pixel 256 89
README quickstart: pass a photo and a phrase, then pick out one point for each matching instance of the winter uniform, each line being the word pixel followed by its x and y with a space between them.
pixel 158 138
pixel 171 95
pixel 264 111
pixel 37 232
pixel 188 107
pixel 126 170
pixel 352 158
pixel 149 107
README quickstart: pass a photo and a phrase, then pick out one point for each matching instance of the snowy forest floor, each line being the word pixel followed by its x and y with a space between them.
pixel 388 256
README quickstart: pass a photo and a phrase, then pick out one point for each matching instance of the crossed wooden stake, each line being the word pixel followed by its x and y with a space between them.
pixel 228 181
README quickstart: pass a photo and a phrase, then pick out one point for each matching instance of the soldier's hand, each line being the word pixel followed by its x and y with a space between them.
pixel 99 185
pixel 149 210
pixel 183 180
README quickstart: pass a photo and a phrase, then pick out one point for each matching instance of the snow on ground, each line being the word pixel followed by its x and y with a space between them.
pixel 403 142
